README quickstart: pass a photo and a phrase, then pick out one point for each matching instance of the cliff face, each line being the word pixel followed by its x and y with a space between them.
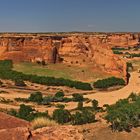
pixel 73 49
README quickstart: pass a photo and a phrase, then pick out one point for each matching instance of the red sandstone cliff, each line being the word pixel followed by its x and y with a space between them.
pixel 74 49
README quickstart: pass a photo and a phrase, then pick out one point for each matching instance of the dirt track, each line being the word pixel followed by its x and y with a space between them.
pixel 113 96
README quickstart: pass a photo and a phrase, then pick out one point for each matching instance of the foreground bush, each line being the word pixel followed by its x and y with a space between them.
pixel 83 117
pixel 42 122
pixel 61 116
pixel 27 113
pixel 125 114
pixel 109 82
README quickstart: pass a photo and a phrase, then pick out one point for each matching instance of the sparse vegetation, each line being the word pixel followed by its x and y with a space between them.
pixel 83 117
pixel 36 97
pixel 42 122
pixel 125 114
pixel 77 97
pixel 61 116
pixel 117 52
pixel 26 112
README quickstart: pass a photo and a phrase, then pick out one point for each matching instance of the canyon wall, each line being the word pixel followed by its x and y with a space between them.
pixel 74 49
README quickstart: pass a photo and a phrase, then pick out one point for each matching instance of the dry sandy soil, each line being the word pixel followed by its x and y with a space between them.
pixel 104 97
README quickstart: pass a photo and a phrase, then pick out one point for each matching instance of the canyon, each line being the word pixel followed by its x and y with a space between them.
pixel 70 48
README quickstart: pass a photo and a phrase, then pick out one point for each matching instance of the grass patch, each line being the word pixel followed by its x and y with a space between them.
pixel 80 73
pixel 42 122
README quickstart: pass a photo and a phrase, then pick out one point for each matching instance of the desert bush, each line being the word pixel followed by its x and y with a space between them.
pixel 47 100
pixel 83 117
pixel 66 100
pixel 117 52
pixel 133 96
pixel 119 49
pixel 20 83
pixel 5 101
pixel 60 106
pixel 77 97
pixel 109 82
pixel 80 105
pixel 125 114
pixel 59 94
pixel 61 116
pixel 21 100
pixel 42 122
pixel 26 112
pixel 36 97
pixel 95 104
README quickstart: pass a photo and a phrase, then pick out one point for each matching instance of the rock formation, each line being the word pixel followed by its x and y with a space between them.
pixel 12 128
pixel 71 48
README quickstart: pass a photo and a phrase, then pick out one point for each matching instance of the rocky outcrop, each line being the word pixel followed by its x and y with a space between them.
pixel 79 49
pixel 84 50
pixel 54 133
pixel 12 128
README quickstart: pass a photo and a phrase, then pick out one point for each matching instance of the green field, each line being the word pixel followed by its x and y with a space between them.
pixel 85 73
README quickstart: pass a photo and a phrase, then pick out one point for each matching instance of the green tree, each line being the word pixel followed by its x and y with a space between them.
pixel 77 97
pixel 61 116
pixel 95 104
pixel 36 97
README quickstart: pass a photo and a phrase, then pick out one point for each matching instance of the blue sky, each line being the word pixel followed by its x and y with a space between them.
pixel 69 15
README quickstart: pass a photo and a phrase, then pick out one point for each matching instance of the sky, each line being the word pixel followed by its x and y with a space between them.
pixel 69 15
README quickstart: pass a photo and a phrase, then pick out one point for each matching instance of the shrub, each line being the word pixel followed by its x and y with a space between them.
pixel 95 104
pixel 80 105
pixel 65 99
pixel 108 82
pixel 59 94
pixel 20 82
pixel 77 97
pixel 47 100
pixel 61 116
pixel 118 49
pixel 27 113
pixel 83 117
pixel 60 106
pixel 36 97
pixel 24 111
pixel 133 96
pixel 21 100
pixel 124 114
pixel 117 52
pixel 42 122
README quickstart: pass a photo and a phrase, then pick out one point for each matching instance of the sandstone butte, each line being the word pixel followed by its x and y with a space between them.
pixel 76 48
